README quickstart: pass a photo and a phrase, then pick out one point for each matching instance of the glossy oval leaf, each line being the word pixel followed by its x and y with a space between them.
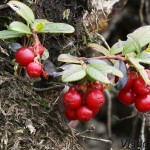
pixel 57 28
pixel 139 68
pixel 14 46
pixel 7 34
pixel 75 73
pixel 39 24
pixel 23 10
pixel 96 74
pixel 99 48
pixel 141 37
pixel 117 47
pixel 120 65
pixel 99 72
pixel 45 54
pixel 68 58
pixel 19 27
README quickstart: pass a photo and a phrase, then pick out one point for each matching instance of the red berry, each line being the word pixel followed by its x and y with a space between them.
pixel 71 114
pixel 73 88
pixel 142 103
pixel 84 114
pixel 72 99
pixel 34 70
pixel 140 87
pixel 45 74
pixel 95 111
pixel 24 56
pixel 129 83
pixel 127 97
pixel 95 99
pixel 96 85
pixel 41 50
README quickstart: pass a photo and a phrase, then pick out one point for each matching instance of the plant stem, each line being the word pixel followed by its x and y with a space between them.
pixel 104 57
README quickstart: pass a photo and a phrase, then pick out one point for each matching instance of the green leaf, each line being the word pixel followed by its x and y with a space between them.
pixel 45 54
pixel 144 55
pixel 137 39
pixel 99 48
pixel 68 58
pixel 23 10
pixel 6 34
pixel 139 68
pixel 75 73
pixel 57 28
pixel 19 27
pixel 39 24
pixel 99 72
pixel 117 47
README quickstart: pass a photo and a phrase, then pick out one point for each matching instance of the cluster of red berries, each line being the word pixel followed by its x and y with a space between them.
pixel 81 105
pixel 136 92
pixel 25 56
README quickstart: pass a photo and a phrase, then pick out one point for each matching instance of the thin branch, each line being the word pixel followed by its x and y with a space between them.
pixel 141 11
pixel 142 135
pixel 104 57
pixel 109 109
pixel 3 6
pixel 95 139
pixel 103 40
pixel 125 118
pixel 46 89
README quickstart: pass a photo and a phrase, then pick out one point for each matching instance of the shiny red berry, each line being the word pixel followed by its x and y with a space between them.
pixel 84 114
pixel 140 87
pixel 142 103
pixel 41 50
pixel 130 81
pixel 94 99
pixel 72 99
pixel 71 114
pixel 45 74
pixel 95 111
pixel 127 97
pixel 96 85
pixel 73 88
pixel 34 70
pixel 24 56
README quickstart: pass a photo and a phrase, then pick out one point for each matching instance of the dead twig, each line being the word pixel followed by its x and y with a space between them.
pixel 95 139
pixel 142 135
pixel 141 11
pixel 47 89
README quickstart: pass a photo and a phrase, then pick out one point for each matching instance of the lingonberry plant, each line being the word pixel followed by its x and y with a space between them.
pixel 81 102
pixel 123 70
pixel 31 54
pixel 126 66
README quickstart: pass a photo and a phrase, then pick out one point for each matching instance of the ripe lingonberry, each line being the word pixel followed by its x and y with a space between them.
pixel 142 103
pixel 126 97
pixel 140 87
pixel 96 85
pixel 41 50
pixel 94 99
pixel 95 111
pixel 24 56
pixel 71 114
pixel 73 88
pixel 84 114
pixel 129 83
pixel 45 74
pixel 34 70
pixel 72 99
